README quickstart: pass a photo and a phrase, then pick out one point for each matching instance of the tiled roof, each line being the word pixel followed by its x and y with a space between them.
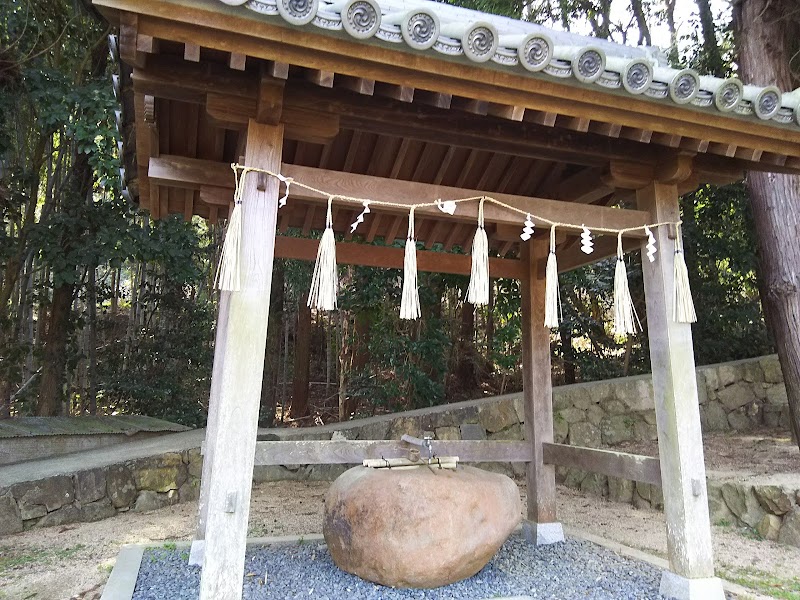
pixel 477 37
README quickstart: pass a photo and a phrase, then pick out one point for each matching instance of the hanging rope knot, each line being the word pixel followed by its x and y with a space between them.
pixel 625 317
pixel 478 291
pixel 552 300
pixel 409 301
pixel 683 305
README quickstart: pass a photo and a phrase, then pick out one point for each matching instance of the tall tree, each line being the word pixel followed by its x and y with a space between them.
pixel 767 33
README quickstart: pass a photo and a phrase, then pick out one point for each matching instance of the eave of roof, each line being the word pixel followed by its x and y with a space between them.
pixel 474 37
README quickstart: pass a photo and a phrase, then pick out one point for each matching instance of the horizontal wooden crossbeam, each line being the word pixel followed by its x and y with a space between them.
pixel 608 462
pixel 176 171
pixel 350 253
pixel 353 452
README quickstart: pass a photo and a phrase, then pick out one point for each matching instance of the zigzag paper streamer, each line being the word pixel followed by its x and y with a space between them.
pixel 283 199
pixel 360 218
pixel 651 245
pixel 527 230
pixel 587 245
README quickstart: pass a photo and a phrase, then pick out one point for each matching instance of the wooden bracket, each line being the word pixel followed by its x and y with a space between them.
pixel 675 169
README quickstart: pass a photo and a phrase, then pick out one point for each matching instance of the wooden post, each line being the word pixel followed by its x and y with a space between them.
pixel 541 526
pixel 242 367
pixel 680 440
pixel 212 426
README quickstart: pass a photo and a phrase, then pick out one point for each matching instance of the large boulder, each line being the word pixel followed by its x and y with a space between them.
pixel 421 527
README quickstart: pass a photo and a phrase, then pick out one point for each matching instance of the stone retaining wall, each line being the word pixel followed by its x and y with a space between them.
pixel 96 494
pixel 733 396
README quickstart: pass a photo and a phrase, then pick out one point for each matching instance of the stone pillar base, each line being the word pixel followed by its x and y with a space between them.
pixel 541 534
pixel 676 587
pixel 197 553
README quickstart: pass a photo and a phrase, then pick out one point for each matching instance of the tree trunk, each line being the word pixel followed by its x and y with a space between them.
pixel 51 387
pixel 764 54
pixel 712 57
pixel 302 360
pixel 91 372
pixel 272 358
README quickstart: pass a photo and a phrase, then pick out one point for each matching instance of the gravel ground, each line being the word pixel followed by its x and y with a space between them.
pixel 569 571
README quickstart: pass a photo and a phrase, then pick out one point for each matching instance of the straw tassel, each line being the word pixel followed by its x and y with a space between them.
pixel 683 305
pixel 478 292
pixel 552 303
pixel 409 304
pixel 229 275
pixel 624 311
pixel 324 282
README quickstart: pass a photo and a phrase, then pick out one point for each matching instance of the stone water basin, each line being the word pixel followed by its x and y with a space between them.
pixel 423 527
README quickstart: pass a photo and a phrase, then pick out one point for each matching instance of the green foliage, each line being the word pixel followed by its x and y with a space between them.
pixel 720 251
pixel 166 371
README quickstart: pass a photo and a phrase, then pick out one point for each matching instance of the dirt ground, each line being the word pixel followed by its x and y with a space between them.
pixel 757 453
pixel 74 561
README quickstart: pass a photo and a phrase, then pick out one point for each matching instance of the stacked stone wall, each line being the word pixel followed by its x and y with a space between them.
pixel 739 396
pixel 92 495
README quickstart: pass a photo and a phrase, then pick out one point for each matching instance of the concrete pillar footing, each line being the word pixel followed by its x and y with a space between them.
pixel 677 587
pixel 541 534
pixel 197 552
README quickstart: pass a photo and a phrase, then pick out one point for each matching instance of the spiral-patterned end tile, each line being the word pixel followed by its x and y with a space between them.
pixel 728 95
pixel 638 77
pixel 361 18
pixel 767 103
pixel 480 42
pixel 588 64
pixel 298 12
pixel 535 52
pixel 420 29
pixel 684 86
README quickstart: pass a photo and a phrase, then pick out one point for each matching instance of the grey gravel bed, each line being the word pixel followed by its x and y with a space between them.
pixel 570 570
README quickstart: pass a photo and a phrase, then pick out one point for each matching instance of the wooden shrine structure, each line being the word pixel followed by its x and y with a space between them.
pixel 410 102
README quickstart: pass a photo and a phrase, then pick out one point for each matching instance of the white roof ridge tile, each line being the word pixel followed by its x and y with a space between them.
pixel 427 25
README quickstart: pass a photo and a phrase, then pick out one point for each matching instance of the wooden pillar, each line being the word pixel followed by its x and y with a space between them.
pixel 242 367
pixel 680 440
pixel 212 426
pixel 541 526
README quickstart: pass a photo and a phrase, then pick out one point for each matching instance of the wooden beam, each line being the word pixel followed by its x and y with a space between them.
pixel 584 187
pixel 311 49
pixel 194 173
pixel 537 395
pixel 375 223
pixel 605 246
pixel 237 61
pixel 358 85
pixel 302 452
pixel 393 230
pixel 608 462
pixel 470 105
pixel 401 93
pixel 608 129
pixel 278 70
pixel 387 257
pixel 240 388
pixel 636 135
pixel 191 52
pixel 506 111
pixel 680 440
pixel 666 139
pixel 319 77
pixel 545 119
pixel 580 124
pixel 434 99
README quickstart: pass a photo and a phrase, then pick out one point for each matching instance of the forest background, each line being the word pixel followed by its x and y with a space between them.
pixel 104 311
